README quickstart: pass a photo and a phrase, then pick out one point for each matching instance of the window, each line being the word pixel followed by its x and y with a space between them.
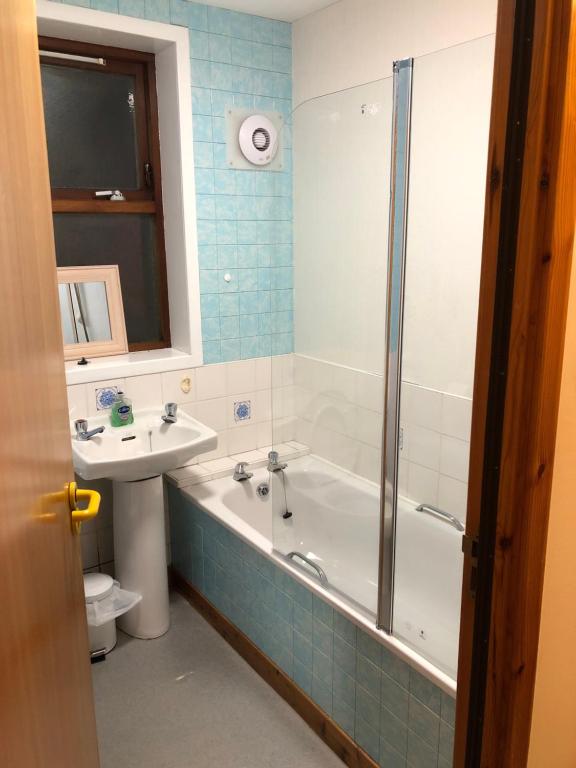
pixel 102 134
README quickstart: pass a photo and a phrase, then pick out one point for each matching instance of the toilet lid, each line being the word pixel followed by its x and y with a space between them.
pixel 97 586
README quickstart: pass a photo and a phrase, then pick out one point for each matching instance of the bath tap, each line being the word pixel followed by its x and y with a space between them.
pixel 274 464
pixel 170 415
pixel 240 472
pixel 82 431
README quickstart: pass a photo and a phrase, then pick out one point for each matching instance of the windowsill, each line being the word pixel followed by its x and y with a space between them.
pixel 131 364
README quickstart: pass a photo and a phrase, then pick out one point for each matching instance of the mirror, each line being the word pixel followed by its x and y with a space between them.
pixel 91 311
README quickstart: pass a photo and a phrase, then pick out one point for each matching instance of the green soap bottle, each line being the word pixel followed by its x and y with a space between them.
pixel 121 412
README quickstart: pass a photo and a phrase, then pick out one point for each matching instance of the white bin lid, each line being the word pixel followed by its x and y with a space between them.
pixel 97 586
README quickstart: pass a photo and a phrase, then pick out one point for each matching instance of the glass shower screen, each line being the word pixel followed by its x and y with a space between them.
pixel 328 396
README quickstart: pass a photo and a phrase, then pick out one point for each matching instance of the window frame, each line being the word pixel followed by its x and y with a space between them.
pixel 146 199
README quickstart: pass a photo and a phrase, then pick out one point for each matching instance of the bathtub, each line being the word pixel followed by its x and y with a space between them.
pixel 334 522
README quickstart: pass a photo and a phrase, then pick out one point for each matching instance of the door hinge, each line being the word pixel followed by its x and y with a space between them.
pixel 148 175
pixel 470 546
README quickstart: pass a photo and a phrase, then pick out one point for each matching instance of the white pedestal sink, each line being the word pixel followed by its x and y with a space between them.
pixel 135 457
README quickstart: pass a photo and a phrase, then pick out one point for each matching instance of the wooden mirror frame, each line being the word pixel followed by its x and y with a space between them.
pixel 109 275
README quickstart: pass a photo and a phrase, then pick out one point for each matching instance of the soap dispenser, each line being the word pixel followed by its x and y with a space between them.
pixel 121 412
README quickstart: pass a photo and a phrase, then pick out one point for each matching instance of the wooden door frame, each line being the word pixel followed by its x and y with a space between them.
pixel 525 278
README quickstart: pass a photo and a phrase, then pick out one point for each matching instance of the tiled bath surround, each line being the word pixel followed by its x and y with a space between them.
pixel 244 217
pixel 337 412
pixel 399 717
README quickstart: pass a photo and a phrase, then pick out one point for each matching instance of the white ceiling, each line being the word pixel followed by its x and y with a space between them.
pixel 285 10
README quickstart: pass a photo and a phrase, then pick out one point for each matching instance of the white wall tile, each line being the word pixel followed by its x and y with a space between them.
pixel 369 427
pixel 244 438
pixel 175 382
pixel 452 496
pixel 370 391
pixel 421 406
pixel 263 373
pixel 403 467
pixel 213 413
pixel 145 391
pixel 241 376
pixel 77 401
pixel 344 383
pixel 422 484
pixel 456 416
pixel 283 370
pixel 455 458
pixel 264 434
pixel 369 463
pixel 421 446
pixel 211 381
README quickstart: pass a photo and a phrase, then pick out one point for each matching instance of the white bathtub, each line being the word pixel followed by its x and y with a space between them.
pixel 335 523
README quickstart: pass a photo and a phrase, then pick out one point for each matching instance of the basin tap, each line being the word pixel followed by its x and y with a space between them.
pixel 170 415
pixel 240 472
pixel 274 463
pixel 82 431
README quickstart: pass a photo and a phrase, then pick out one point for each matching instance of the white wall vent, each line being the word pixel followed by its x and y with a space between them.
pixel 254 140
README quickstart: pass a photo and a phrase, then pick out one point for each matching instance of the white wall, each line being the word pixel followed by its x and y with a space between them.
pixel 356 41
pixel 451 98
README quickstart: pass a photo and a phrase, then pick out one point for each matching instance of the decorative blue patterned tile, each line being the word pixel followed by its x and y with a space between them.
pixel 227 257
pixel 282 33
pixel 203 154
pixel 249 347
pixel 282 343
pixel 207 256
pixel 226 233
pixel 282 59
pixel 240 25
pixel 205 208
pixel 247 279
pixel 248 256
pixel 230 348
pixel 204 181
pixel 263 56
pixel 207 234
pixel 202 126
pixel 282 300
pixel 201 72
pixel 219 130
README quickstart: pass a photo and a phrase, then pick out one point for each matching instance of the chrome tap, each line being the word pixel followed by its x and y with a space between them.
pixel 240 472
pixel 274 464
pixel 170 415
pixel 82 431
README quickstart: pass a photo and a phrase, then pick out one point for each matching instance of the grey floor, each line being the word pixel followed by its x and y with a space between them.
pixel 187 700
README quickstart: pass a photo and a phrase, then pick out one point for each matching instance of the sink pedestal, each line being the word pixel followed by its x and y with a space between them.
pixel 140 555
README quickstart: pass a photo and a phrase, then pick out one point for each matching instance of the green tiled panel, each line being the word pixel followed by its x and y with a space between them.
pixel 399 717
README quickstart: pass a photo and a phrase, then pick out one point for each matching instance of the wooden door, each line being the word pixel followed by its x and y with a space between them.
pixel 46 706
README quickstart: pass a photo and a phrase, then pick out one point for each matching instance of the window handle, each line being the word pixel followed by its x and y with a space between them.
pixel 110 194
pixel 148 174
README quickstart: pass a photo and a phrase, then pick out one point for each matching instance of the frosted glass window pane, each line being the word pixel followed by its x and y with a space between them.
pixel 90 128
pixel 128 240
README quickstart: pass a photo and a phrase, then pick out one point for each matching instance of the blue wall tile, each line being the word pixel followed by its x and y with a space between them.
pixel 242 61
pixel 400 722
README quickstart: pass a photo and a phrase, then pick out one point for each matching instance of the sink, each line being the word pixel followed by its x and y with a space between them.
pixel 134 458
pixel 146 448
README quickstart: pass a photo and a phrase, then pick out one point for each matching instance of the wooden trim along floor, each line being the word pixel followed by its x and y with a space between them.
pixel 329 731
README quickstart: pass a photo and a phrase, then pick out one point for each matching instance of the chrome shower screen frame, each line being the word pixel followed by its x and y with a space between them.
pixel 400 161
